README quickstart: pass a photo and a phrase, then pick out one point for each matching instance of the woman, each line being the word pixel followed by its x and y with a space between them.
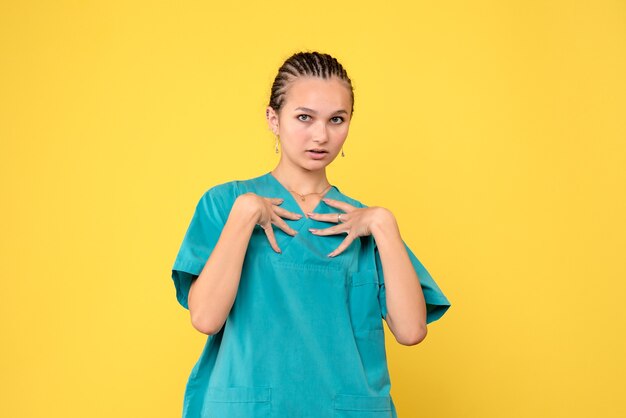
pixel 291 279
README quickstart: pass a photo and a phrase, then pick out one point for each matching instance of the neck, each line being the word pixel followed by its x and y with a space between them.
pixel 300 180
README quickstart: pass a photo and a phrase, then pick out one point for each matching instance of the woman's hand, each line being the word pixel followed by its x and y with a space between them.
pixel 356 222
pixel 270 213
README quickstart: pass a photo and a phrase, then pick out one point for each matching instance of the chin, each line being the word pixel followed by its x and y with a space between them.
pixel 316 165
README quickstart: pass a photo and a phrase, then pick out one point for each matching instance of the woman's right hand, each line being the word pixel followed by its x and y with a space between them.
pixel 269 213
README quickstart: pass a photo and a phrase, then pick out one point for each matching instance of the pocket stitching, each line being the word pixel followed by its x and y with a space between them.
pixel 238 394
pixel 346 400
pixel 306 267
pixel 364 277
pixel 358 280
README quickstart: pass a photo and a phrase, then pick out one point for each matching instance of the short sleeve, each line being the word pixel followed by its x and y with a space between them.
pixel 202 234
pixel 436 302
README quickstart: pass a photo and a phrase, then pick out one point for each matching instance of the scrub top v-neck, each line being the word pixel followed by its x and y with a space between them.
pixel 304 337
pixel 293 200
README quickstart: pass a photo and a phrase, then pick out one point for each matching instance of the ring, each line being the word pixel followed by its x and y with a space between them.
pixel 339 218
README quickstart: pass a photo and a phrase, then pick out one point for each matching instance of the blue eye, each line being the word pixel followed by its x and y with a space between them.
pixel 338 117
pixel 307 116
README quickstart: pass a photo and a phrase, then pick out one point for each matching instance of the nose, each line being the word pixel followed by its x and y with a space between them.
pixel 321 134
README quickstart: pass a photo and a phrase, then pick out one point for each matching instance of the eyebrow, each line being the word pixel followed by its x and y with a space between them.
pixel 306 109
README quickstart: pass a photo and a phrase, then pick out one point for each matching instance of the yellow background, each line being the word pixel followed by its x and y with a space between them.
pixel 494 130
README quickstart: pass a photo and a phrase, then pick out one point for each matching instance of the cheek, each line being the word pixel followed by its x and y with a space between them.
pixel 294 130
pixel 294 137
pixel 342 132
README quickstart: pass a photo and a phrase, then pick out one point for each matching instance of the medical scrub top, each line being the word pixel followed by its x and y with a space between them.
pixel 304 337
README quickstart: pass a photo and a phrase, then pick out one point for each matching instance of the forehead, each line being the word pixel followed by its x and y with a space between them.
pixel 316 92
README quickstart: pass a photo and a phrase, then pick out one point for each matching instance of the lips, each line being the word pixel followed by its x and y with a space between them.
pixel 317 153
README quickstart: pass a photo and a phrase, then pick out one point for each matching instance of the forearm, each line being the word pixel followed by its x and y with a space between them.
pixel 406 308
pixel 213 293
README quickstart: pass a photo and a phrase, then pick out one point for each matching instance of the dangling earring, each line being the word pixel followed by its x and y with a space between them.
pixel 342 154
pixel 276 144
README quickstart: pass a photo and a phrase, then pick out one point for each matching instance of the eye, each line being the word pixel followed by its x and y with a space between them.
pixel 338 117
pixel 303 120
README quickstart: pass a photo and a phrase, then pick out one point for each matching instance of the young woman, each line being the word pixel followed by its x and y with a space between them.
pixel 291 279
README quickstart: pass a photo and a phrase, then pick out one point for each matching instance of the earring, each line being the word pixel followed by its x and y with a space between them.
pixel 276 148
pixel 342 154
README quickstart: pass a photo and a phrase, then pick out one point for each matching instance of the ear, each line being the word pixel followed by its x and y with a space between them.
pixel 272 119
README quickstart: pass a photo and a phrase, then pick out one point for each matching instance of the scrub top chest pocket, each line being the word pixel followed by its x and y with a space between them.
pixel 355 406
pixel 365 310
pixel 237 402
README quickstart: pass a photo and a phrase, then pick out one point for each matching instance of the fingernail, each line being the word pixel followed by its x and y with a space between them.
pixel 312 229
pixel 330 255
pixel 310 213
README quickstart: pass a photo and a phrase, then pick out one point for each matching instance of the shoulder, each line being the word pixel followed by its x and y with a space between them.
pixel 350 200
pixel 218 199
pixel 221 191
pixel 227 192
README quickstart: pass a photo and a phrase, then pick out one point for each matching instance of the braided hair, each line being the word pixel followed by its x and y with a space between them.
pixel 313 64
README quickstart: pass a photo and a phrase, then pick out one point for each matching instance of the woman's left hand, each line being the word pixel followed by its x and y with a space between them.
pixel 356 222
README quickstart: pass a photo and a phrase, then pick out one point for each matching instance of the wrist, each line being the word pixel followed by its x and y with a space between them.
pixel 383 221
pixel 245 211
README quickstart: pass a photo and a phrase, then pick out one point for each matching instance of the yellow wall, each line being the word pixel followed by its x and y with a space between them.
pixel 494 130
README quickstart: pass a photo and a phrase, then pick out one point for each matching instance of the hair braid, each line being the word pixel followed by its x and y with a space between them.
pixel 302 64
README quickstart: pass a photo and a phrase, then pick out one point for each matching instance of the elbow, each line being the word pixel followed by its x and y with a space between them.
pixel 410 334
pixel 415 337
pixel 203 321
pixel 205 326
